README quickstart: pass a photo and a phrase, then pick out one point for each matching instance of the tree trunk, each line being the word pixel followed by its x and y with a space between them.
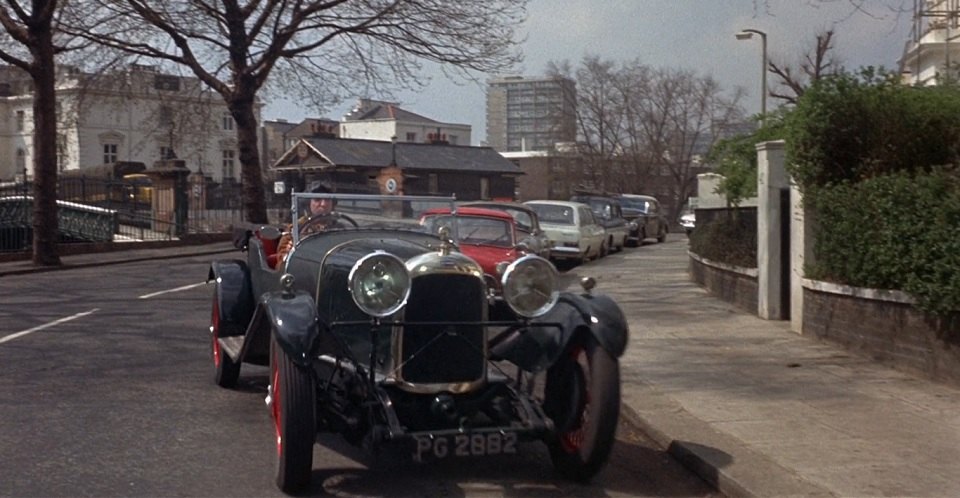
pixel 45 222
pixel 254 204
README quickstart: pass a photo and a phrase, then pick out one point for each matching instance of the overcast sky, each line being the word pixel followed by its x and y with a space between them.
pixel 691 34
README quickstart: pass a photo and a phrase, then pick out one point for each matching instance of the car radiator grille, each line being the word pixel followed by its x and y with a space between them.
pixel 434 354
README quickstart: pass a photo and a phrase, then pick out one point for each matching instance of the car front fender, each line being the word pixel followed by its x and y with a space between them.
pixel 234 292
pixel 293 318
pixel 539 346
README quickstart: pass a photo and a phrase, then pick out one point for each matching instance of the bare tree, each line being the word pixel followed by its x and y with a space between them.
pixel 30 41
pixel 642 129
pixel 321 49
pixel 815 64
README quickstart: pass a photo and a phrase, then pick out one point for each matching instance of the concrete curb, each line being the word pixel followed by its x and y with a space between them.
pixel 718 458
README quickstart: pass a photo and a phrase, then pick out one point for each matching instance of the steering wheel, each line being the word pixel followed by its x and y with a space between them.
pixel 329 221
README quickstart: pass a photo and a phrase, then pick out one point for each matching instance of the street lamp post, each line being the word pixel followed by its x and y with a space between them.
pixel 747 34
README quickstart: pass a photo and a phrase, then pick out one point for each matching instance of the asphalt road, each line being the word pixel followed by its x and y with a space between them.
pixel 106 390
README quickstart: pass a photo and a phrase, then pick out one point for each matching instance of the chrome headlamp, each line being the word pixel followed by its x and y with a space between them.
pixel 530 286
pixel 379 283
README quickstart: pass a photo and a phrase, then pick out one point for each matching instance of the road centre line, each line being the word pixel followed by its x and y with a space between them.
pixel 178 289
pixel 46 325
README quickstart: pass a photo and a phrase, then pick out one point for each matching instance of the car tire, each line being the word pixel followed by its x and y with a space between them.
pixel 226 371
pixel 292 407
pixel 662 236
pixel 603 249
pixel 582 397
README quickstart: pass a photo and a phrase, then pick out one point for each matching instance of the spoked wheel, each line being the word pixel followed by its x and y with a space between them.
pixel 582 396
pixel 226 370
pixel 292 408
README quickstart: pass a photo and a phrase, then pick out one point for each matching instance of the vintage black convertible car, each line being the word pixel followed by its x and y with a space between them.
pixel 386 334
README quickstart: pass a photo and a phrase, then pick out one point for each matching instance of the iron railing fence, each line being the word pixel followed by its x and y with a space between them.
pixel 129 210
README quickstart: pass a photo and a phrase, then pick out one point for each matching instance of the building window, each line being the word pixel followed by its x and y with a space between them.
pixel 434 183
pixel 109 153
pixel 227 121
pixel 61 151
pixel 228 166
pixel 411 137
pixel 21 120
pixel 166 153
pixel 22 163
pixel 165 116
pixel 452 139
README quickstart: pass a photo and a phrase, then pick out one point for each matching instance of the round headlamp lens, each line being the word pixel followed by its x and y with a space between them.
pixel 530 286
pixel 379 283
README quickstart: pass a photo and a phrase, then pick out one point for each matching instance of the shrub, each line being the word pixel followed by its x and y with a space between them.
pixel 729 238
pixel 736 158
pixel 849 128
pixel 898 231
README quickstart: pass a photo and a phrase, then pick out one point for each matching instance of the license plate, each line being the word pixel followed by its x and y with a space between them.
pixel 463 445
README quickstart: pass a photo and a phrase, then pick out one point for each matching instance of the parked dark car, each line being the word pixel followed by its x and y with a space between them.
pixel 610 214
pixel 528 224
pixel 385 333
pixel 647 215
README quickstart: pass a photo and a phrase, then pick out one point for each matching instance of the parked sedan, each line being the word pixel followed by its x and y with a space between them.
pixel 688 221
pixel 609 213
pixel 528 224
pixel 487 236
pixel 575 232
pixel 645 211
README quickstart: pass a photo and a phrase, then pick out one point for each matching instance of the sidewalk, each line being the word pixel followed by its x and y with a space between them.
pixel 758 410
pixel 752 407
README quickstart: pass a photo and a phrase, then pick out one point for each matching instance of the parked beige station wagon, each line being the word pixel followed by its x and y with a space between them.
pixel 574 230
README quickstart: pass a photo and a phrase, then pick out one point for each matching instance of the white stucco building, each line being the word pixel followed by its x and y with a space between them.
pixel 137 114
pixel 933 50
pixel 379 120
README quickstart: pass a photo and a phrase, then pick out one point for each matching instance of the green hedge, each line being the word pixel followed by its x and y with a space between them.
pixel 899 231
pixel 851 128
pixel 727 238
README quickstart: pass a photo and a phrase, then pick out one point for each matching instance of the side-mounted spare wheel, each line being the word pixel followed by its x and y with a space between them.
pixel 226 371
pixel 293 409
pixel 582 396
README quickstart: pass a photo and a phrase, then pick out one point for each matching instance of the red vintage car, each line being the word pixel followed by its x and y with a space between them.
pixel 486 235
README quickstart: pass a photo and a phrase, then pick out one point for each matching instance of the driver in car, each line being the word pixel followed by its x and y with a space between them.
pixel 319 218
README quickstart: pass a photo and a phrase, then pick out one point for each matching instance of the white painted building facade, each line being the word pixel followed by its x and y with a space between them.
pixel 933 49
pixel 379 120
pixel 137 115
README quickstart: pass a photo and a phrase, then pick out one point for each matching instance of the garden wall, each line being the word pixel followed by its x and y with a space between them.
pixel 883 325
pixel 733 284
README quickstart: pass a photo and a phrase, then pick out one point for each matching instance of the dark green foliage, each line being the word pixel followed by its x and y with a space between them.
pixel 736 158
pixel 899 231
pixel 728 238
pixel 877 162
pixel 851 128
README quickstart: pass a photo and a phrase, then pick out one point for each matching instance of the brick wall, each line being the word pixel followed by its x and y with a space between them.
pixel 736 288
pixel 891 332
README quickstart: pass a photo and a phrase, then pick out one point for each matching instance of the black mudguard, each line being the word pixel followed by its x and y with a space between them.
pixel 293 318
pixel 536 348
pixel 232 278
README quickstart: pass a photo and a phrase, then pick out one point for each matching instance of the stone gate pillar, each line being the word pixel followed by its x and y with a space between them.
pixel 772 180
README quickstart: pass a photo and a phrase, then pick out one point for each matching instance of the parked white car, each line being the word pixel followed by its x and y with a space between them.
pixel 688 221
pixel 574 230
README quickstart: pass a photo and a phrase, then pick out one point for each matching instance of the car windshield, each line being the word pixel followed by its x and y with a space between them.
pixel 549 213
pixel 638 204
pixel 474 230
pixel 313 213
